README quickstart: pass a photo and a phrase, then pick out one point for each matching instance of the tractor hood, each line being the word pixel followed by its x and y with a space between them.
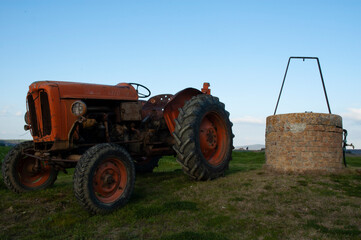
pixel 72 90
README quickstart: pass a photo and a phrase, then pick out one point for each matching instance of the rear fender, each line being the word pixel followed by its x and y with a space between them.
pixel 171 110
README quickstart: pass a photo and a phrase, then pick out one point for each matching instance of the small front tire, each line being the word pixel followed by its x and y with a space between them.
pixel 23 173
pixel 104 178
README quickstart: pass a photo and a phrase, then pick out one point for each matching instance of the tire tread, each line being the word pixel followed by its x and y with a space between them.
pixel 185 132
pixel 82 176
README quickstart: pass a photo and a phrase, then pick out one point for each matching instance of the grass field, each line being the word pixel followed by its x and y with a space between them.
pixel 248 203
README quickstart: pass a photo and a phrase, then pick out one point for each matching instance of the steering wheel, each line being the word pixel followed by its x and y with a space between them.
pixel 140 94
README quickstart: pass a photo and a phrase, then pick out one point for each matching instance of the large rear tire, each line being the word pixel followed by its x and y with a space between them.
pixel 23 173
pixel 104 178
pixel 203 136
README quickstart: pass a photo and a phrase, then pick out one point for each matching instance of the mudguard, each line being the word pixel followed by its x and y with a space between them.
pixel 171 110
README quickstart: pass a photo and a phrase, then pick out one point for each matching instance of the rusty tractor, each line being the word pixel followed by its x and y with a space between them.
pixel 108 135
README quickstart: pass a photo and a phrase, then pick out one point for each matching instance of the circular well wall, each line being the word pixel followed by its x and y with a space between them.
pixel 303 142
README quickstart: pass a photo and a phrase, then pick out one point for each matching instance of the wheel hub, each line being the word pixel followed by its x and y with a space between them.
pixel 109 180
pixel 29 168
pixel 32 173
pixel 208 137
pixel 212 138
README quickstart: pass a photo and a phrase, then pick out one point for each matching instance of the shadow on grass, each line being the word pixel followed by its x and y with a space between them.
pixel 194 236
pixel 347 230
pixel 166 208
pixel 349 184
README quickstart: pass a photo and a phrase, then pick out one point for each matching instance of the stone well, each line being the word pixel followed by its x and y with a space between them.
pixel 304 142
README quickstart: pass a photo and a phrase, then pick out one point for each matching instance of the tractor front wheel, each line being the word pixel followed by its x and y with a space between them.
pixel 104 178
pixel 23 173
pixel 203 136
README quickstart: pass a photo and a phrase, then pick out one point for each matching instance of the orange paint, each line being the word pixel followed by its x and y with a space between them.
pixel 213 138
pixel 171 110
pixel 61 95
pixel 110 180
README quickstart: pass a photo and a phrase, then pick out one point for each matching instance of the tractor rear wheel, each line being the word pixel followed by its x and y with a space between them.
pixel 104 178
pixel 23 173
pixel 203 136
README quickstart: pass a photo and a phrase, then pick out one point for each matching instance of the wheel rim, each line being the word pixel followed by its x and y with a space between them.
pixel 213 138
pixel 110 180
pixel 30 175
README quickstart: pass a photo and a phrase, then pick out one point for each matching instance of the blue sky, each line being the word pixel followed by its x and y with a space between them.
pixel 240 47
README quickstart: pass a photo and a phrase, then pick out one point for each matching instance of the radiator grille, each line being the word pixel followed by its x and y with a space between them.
pixel 41 102
pixel 33 118
pixel 45 113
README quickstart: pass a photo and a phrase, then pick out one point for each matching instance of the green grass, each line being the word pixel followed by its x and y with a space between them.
pixel 353 161
pixel 3 152
pixel 248 203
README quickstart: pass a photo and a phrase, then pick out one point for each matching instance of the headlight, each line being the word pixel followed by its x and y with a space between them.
pixel 26 118
pixel 78 108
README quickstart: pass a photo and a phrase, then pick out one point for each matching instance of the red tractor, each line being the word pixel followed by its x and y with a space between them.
pixel 108 134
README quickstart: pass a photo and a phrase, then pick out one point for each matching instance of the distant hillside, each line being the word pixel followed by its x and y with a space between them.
pixel 354 151
pixel 251 147
pixel 10 142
